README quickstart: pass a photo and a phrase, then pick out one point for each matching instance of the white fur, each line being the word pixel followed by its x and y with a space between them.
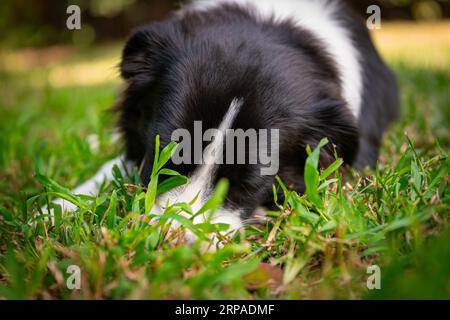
pixel 320 18
pixel 92 186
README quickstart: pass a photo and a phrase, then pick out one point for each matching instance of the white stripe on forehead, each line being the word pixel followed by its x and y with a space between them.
pixel 321 17
pixel 201 180
pixel 201 185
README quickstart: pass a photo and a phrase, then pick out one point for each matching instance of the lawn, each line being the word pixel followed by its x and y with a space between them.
pixel 56 131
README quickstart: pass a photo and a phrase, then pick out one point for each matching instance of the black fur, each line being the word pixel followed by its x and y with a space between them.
pixel 191 67
pixel 380 95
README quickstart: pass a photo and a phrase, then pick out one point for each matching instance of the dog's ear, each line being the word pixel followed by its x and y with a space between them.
pixel 148 50
pixel 148 53
pixel 333 120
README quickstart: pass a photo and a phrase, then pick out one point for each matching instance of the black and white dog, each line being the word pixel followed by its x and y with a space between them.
pixel 307 68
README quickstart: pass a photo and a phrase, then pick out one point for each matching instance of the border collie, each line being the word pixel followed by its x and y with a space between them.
pixel 307 68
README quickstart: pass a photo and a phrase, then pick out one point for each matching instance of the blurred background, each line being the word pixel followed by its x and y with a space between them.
pixel 40 23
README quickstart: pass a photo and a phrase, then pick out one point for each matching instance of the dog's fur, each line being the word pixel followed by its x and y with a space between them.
pixel 307 68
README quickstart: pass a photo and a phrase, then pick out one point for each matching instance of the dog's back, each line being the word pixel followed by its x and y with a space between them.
pixel 367 84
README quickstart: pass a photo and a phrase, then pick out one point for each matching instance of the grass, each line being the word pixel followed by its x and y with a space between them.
pixel 55 133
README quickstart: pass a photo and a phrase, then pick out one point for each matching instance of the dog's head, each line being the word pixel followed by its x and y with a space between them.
pixel 230 71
